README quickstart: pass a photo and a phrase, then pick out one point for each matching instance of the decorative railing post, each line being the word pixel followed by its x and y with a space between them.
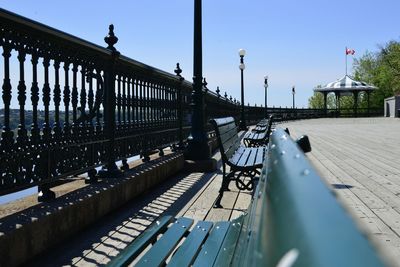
pixel 218 101
pixel 110 102
pixel 178 72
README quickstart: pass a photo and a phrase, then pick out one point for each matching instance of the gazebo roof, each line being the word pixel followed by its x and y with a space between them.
pixel 345 84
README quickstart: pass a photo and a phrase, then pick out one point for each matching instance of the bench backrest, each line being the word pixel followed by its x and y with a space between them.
pixel 293 213
pixel 227 136
pixel 269 124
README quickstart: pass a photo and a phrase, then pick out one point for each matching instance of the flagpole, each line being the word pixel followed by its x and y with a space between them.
pixel 346 58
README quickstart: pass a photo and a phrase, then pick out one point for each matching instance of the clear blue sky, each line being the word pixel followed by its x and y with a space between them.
pixel 297 43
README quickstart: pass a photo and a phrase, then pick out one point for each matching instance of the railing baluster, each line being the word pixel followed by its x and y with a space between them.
pixel 98 99
pixel 129 103
pixel 150 104
pixel 141 105
pixel 35 132
pixel 158 107
pixel 74 100
pixel 21 138
pixel 119 101
pixel 124 102
pixel 7 134
pixel 136 103
pixel 46 100
pixel 66 99
pixel 57 100
pixel 83 124
pixel 164 107
pixel 90 104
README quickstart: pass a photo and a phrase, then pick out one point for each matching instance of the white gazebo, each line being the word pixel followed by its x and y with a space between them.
pixel 345 86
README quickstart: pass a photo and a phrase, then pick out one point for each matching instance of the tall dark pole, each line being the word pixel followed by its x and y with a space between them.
pixel 293 93
pixel 266 102
pixel 198 146
pixel 242 124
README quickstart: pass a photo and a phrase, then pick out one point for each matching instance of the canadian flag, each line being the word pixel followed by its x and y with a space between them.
pixel 350 51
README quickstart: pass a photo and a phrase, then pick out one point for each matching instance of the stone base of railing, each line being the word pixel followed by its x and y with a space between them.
pixel 30 232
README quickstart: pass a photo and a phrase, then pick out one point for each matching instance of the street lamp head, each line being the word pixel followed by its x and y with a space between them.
pixel 242 52
pixel 266 81
pixel 242 66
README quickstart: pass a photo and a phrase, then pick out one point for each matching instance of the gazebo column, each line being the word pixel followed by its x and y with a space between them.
pixel 337 94
pixel 325 104
pixel 368 93
pixel 355 94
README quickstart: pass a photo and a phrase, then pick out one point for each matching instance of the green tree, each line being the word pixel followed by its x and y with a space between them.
pixel 317 100
pixel 381 69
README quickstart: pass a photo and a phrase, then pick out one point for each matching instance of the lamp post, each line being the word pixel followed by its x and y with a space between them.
pixel 197 141
pixel 242 124
pixel 198 153
pixel 293 93
pixel 266 86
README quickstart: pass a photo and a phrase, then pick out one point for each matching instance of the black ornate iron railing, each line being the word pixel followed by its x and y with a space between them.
pixel 69 106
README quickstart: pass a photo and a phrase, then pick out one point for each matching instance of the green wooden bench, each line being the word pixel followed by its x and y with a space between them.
pixel 293 220
pixel 243 161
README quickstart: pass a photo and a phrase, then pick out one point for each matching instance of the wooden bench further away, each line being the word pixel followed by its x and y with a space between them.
pixel 259 136
pixel 243 161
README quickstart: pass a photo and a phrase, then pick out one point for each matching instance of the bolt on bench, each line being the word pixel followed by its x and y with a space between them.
pixel 293 219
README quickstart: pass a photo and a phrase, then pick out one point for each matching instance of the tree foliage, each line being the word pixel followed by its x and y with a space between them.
pixel 317 101
pixel 381 69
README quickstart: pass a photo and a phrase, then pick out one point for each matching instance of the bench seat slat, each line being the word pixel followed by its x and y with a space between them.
pixel 244 158
pixel 230 242
pixel 256 157
pixel 236 157
pixel 159 252
pixel 252 157
pixel 142 241
pixel 260 155
pixel 212 245
pixel 187 252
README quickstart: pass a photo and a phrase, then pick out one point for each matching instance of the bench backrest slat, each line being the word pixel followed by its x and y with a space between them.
pixel 227 136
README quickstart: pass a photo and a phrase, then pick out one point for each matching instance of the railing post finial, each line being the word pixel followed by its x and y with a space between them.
pixel 178 70
pixel 205 85
pixel 111 39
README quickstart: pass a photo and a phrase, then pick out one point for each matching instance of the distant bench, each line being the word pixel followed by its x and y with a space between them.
pixel 243 161
pixel 292 220
pixel 259 136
